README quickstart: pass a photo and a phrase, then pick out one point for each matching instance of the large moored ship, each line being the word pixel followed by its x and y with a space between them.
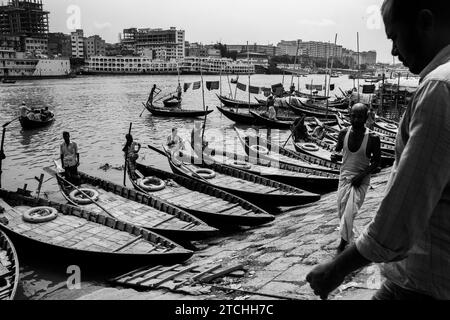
pixel 21 66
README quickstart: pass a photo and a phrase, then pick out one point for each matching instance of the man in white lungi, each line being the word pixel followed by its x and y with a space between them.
pixel 361 157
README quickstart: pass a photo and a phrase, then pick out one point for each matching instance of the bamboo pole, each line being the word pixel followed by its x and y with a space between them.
pixel 203 88
pixel 359 66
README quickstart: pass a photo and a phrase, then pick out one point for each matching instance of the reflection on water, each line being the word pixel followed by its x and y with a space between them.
pixel 97 111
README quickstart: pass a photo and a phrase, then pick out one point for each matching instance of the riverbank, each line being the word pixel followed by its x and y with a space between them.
pixel 276 258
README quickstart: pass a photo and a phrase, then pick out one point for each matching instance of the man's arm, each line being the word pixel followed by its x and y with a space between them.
pixel 61 156
pixel 335 157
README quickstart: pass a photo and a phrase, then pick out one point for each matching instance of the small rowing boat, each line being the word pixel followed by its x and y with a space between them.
pixel 264 193
pixel 299 177
pixel 9 268
pixel 216 207
pixel 176 113
pixel 143 210
pixel 312 96
pixel 271 123
pixel 70 231
pixel 258 146
pixel 28 124
pixel 238 104
pixel 239 118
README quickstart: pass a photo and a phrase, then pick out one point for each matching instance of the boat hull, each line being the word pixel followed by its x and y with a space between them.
pixel 28 124
pixel 213 217
pixel 11 277
pixel 177 113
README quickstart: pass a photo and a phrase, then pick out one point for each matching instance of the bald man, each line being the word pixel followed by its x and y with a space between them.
pixel 361 157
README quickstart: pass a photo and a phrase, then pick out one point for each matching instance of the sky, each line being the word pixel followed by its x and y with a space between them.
pixel 231 21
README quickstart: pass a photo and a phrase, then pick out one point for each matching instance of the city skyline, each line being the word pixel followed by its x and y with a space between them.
pixel 230 26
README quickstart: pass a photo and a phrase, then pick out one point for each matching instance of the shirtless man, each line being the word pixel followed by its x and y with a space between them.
pixel 361 157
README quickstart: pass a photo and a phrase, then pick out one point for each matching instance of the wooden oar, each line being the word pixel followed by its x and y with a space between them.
pixel 126 160
pixel 84 194
pixel 182 165
pixel 145 108
pixel 292 132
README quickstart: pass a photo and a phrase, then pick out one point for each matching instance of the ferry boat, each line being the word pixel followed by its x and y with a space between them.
pixel 138 65
pixel 16 65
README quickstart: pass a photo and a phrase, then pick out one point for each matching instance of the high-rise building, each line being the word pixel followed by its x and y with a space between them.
pixel 27 20
pixel 77 40
pixel 163 44
pixel 269 50
pixel 60 44
pixel 94 46
pixel 289 48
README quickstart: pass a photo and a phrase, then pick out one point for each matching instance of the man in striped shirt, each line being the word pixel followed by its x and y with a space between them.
pixel 411 231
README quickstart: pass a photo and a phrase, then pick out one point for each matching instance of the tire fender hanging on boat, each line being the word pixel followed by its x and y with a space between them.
pixel 40 215
pixel 152 184
pixel 309 147
pixel 206 173
pixel 78 197
pixel 259 149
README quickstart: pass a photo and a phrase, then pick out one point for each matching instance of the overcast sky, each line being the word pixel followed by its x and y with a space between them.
pixel 231 21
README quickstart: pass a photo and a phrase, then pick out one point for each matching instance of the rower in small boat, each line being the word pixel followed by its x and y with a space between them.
pixel 152 94
pixel 177 97
pixel 70 159
pixel 24 110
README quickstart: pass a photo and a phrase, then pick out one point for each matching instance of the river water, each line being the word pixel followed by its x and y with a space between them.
pixel 97 111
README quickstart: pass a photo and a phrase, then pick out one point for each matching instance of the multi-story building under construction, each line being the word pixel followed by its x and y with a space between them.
pixel 26 20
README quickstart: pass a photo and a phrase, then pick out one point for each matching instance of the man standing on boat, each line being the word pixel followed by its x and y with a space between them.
pixel 362 156
pixel 409 235
pixel 24 110
pixel 70 158
pixel 131 152
pixel 174 142
pixel 152 95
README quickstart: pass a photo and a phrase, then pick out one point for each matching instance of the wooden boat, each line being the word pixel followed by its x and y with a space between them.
pixel 8 81
pixel 271 123
pixel 296 176
pixel 386 128
pixel 28 124
pixel 234 81
pixel 176 113
pixel 238 104
pixel 312 96
pixel 323 108
pixel 216 207
pixel 326 148
pixel 9 268
pixel 172 103
pixel 240 118
pixel 83 234
pixel 279 154
pixel 312 112
pixel 143 210
pixel 260 191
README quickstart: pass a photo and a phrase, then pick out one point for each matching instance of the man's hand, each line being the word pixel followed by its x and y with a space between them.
pixel 325 279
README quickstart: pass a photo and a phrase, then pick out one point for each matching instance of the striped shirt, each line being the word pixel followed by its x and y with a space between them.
pixel 411 231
